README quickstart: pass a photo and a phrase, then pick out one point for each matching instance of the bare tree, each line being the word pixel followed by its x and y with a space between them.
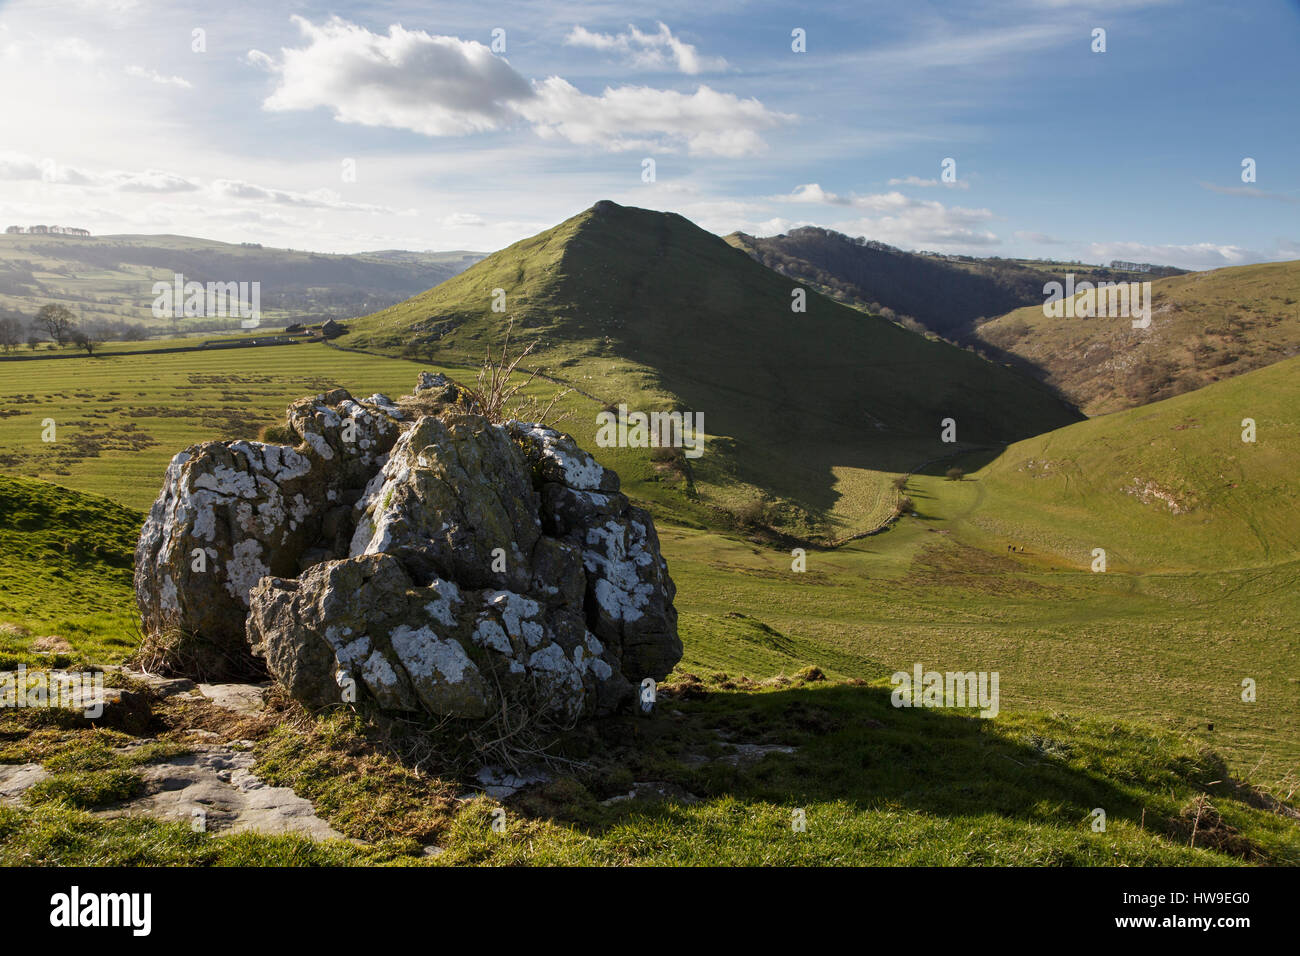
pixel 83 338
pixel 11 334
pixel 57 321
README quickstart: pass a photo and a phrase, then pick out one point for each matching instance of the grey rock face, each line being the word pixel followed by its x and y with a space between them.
pixel 433 563
pixel 231 513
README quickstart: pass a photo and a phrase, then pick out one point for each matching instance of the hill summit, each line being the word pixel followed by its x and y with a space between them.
pixel 646 309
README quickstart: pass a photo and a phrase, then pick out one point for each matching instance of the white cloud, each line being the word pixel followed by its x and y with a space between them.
pixel 903 221
pixel 1042 238
pixel 928 217
pixel 52 49
pixel 409 79
pixel 640 117
pixel 151 181
pixel 1253 192
pixel 929 226
pixel 973 49
pixel 16 166
pixel 813 193
pixel 317 199
pixel 153 76
pixel 445 86
pixel 930 183
pixel 647 51
pixel 461 219
pixel 1199 255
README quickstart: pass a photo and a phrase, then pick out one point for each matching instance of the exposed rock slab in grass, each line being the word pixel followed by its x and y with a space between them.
pixel 738 754
pixel 499 783
pixel 654 791
pixel 51 644
pixel 247 699
pixel 159 686
pixel 751 753
pixel 219 782
pixel 17 779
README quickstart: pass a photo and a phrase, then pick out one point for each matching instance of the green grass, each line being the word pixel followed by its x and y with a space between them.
pixel 1169 486
pixel 57 834
pixel 120 419
pixel 65 571
pixel 880 786
pixel 876 786
pixel 1109 682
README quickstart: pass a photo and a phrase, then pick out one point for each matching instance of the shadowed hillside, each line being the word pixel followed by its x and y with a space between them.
pixel 946 295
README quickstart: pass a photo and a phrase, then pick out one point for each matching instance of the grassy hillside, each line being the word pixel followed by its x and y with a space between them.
pixel 1166 486
pixel 65 571
pixel 1118 691
pixel 1205 327
pixel 645 308
pixel 942 294
pixel 109 279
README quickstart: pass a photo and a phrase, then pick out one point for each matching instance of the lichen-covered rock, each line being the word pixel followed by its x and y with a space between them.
pixel 231 513
pixel 415 555
pixel 453 492
pixel 363 624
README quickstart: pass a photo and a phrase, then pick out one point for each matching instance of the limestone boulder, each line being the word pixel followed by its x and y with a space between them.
pixel 231 513
pixel 414 556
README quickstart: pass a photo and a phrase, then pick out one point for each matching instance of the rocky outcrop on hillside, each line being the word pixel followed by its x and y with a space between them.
pixel 409 553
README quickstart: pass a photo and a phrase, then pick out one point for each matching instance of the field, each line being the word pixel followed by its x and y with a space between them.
pixel 1119 689
pixel 120 419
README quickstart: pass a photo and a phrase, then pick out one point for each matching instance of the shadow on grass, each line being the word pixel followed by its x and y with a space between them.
pixel 854 747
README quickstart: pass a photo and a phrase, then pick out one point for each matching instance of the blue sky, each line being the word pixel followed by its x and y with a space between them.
pixel 121 125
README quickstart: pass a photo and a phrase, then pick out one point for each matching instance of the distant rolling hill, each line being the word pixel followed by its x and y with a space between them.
pixel 944 294
pixel 109 279
pixel 807 413
pixel 1167 486
pixel 1205 326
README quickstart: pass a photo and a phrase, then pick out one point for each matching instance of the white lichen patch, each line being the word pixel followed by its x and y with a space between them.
pixel 379 675
pixel 350 653
pixel 488 633
pixel 319 445
pixel 245 569
pixel 441 607
pixel 167 596
pixel 516 611
pixel 551 666
pixel 227 481
pixel 614 555
pixel 580 470
pixel 426 656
